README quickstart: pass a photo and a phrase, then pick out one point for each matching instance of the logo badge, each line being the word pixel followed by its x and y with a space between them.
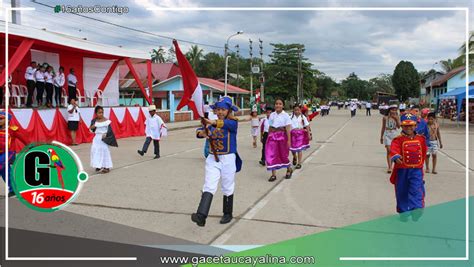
pixel 46 177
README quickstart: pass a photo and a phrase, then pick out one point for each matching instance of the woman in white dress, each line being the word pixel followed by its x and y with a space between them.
pixel 100 153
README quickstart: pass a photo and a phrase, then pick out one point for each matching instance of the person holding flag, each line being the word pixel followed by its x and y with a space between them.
pixel 223 161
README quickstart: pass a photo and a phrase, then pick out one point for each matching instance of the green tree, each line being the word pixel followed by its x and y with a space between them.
pixel 406 81
pixel 325 85
pixel 450 64
pixel 157 55
pixel 212 66
pixel 462 52
pixel 354 87
pixel 383 83
pixel 282 72
pixel 171 55
pixel 194 55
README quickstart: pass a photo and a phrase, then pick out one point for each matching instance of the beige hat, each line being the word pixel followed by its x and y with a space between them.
pixel 151 108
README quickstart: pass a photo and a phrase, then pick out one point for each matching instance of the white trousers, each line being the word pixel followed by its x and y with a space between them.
pixel 224 169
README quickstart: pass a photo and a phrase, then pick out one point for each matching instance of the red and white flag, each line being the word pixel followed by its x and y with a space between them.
pixel 192 96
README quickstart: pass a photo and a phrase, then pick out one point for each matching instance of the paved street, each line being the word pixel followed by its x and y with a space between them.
pixel 343 181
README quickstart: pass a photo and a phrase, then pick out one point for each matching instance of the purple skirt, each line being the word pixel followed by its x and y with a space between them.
pixel 299 140
pixel 277 151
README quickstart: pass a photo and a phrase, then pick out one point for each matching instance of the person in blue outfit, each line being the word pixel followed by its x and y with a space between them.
pixel 421 124
pixel 223 161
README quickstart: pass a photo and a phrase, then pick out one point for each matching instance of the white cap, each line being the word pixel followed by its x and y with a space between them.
pixel 151 108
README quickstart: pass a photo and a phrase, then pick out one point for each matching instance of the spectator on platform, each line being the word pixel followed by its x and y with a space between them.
pixel 58 82
pixel 30 82
pixel 40 85
pixel 48 76
pixel 71 84
pixel 73 119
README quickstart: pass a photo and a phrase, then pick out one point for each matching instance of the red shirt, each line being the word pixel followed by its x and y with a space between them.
pixel 410 150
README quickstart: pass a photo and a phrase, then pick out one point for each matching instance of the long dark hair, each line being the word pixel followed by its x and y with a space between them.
pixel 281 99
pixel 97 108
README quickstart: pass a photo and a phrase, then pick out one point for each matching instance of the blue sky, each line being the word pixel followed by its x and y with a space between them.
pixel 337 42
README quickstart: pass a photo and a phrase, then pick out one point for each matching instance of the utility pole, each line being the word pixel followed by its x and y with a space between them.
pixel 299 84
pixel 251 65
pixel 16 17
pixel 262 86
pixel 238 62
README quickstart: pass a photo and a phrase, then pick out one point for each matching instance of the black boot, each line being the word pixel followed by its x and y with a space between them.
pixel 203 210
pixel 227 209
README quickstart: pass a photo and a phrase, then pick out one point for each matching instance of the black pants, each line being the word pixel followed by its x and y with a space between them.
pixel 31 85
pixel 264 141
pixel 39 93
pixel 156 144
pixel 57 96
pixel 367 112
pixel 49 93
pixel 71 93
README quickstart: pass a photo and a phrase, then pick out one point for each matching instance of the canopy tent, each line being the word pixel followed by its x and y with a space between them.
pixel 458 94
pixel 95 64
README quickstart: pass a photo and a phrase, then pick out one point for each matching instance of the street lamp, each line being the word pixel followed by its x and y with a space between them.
pixel 226 47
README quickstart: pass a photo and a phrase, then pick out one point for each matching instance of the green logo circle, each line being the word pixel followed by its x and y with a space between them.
pixel 46 177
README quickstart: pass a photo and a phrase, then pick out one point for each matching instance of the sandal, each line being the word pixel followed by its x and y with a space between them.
pixel 389 171
pixel 434 172
pixel 298 166
pixel 294 161
pixel 98 169
pixel 289 172
pixel 272 178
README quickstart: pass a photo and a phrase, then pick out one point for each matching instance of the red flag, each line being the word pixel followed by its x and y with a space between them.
pixel 192 96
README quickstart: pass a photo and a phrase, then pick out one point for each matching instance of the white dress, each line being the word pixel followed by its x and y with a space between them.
pixel 100 153
pixel 254 123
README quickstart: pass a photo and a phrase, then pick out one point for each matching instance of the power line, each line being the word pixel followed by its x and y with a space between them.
pixel 133 29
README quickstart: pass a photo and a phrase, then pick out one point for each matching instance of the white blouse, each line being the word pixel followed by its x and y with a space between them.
pixel 277 120
pixel 71 80
pixel 48 77
pixel 39 76
pixel 59 80
pixel 102 127
pixel 299 122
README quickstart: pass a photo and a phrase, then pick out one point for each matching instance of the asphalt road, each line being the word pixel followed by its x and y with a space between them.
pixel 343 181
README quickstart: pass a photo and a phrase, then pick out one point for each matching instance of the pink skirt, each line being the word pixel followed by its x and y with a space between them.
pixel 299 140
pixel 277 151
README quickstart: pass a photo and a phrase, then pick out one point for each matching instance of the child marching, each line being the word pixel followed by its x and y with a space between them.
pixel 277 148
pixel 435 142
pixel 300 135
pixel 222 163
pixel 254 123
pixel 408 151
pixel 264 128
pixel 104 137
pixel 154 129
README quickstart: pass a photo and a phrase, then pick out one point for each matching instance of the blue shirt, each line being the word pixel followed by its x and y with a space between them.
pixel 422 128
pixel 223 137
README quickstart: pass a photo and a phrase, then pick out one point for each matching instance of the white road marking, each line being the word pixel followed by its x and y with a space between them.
pixel 223 238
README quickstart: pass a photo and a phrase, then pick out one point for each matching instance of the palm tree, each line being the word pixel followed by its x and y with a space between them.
pixel 157 55
pixel 447 65
pixel 462 51
pixel 194 55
